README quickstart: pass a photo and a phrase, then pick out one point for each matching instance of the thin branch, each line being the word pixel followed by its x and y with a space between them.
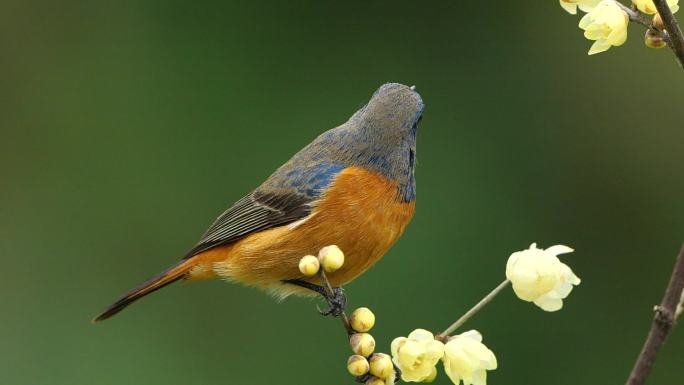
pixel 663 322
pixel 672 28
pixel 487 299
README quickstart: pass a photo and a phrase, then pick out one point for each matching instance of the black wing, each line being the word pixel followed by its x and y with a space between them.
pixel 255 212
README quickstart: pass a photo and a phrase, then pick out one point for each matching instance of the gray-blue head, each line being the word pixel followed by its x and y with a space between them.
pixel 382 135
pixel 393 112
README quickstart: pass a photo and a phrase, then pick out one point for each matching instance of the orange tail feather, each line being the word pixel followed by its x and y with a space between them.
pixel 167 277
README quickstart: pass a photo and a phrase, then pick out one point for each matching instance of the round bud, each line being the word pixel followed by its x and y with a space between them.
pixel 392 379
pixel 654 39
pixel 658 22
pixel 309 265
pixel 331 258
pixel 432 376
pixel 357 365
pixel 375 381
pixel 381 365
pixel 362 344
pixel 362 320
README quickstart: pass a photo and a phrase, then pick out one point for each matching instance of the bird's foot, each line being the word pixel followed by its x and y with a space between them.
pixel 337 303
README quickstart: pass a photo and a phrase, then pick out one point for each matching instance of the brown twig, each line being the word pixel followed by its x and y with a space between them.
pixel 672 28
pixel 663 322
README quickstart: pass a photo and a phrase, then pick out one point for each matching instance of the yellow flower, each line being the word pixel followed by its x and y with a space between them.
pixel 417 355
pixel 647 6
pixel 467 359
pixel 572 5
pixel 432 376
pixel 607 24
pixel 539 276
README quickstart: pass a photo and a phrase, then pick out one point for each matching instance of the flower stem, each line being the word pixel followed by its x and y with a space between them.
pixel 484 301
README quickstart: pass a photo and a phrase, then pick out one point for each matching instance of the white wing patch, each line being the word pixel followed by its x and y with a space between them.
pixel 300 222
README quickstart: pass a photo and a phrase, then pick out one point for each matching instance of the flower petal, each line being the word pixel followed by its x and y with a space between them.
pixel 559 249
pixel 570 7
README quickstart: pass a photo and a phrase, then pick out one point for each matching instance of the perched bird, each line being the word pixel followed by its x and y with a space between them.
pixel 353 187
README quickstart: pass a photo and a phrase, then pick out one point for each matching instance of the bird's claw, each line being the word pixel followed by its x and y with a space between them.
pixel 337 303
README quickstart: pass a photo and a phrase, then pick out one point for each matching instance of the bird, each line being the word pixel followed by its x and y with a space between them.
pixel 353 186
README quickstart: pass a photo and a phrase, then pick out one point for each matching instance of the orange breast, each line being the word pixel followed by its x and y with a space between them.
pixel 359 212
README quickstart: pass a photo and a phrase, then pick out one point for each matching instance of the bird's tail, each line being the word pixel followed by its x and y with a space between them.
pixel 167 277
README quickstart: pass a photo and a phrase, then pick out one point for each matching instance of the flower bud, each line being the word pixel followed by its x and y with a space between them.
pixel 375 381
pixel 331 258
pixel 362 320
pixel 381 365
pixel 362 344
pixel 357 365
pixel 654 39
pixel 658 22
pixel 309 265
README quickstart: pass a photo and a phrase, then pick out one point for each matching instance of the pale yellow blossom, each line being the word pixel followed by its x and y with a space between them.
pixel 572 5
pixel 432 376
pixel 539 276
pixel 467 359
pixel 417 355
pixel 606 24
pixel 647 6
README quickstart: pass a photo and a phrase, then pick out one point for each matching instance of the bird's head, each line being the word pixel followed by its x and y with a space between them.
pixel 393 110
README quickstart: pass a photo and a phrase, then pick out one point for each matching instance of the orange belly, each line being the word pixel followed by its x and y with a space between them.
pixel 359 212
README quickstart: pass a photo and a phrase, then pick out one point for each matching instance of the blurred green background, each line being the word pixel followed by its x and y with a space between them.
pixel 127 127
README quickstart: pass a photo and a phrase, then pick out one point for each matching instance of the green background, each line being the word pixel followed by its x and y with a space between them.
pixel 127 127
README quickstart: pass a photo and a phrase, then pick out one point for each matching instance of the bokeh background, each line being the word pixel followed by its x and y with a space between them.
pixel 128 126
